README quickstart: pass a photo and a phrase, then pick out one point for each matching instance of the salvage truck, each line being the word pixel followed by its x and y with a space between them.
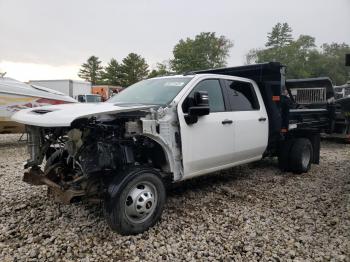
pixel 167 129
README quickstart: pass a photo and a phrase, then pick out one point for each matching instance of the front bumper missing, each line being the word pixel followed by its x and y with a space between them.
pixel 35 176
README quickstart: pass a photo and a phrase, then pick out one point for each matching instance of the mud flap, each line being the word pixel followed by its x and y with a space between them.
pixel 283 154
pixel 315 141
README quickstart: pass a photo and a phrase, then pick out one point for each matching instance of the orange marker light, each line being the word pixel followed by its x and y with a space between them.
pixel 276 98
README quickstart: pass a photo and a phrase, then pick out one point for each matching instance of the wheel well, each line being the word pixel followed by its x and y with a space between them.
pixel 155 155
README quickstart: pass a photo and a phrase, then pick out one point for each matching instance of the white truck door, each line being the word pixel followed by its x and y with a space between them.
pixel 208 144
pixel 250 119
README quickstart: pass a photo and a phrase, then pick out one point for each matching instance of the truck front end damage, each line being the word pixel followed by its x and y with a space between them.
pixel 82 159
pixel 121 152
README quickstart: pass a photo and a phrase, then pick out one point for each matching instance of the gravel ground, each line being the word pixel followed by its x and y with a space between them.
pixel 248 213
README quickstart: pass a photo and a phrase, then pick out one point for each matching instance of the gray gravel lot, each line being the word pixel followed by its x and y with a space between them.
pixel 248 213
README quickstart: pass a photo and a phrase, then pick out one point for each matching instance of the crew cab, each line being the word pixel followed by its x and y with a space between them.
pixel 167 129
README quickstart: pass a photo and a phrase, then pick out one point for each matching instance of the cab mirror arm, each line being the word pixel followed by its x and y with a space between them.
pixel 191 119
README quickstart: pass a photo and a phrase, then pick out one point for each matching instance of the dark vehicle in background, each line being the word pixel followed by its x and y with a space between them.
pixel 89 98
pixel 319 93
pixel 342 91
pixel 342 99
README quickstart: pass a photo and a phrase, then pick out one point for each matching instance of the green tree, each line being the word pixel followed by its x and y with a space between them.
pixel 162 69
pixel 331 62
pixel 295 55
pixel 133 69
pixel 91 70
pixel 301 56
pixel 111 74
pixel 280 35
pixel 206 50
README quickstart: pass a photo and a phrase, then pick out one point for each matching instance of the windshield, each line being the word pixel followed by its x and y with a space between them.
pixel 159 91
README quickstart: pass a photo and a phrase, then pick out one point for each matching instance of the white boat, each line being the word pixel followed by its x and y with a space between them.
pixel 16 95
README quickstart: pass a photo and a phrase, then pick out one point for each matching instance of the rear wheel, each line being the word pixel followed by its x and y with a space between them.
pixel 300 156
pixel 135 201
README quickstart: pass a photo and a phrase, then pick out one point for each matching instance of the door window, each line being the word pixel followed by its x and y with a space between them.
pixel 216 100
pixel 242 96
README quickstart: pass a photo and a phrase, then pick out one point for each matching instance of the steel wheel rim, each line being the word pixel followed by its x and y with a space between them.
pixel 140 202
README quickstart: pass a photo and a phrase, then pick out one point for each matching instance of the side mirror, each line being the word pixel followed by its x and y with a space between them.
pixel 201 98
pixel 200 107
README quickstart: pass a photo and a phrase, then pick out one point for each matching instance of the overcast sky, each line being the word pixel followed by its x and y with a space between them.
pixel 42 39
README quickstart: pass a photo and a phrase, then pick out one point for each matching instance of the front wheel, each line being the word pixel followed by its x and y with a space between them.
pixel 135 201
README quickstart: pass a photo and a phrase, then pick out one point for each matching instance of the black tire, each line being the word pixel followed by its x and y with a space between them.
pixel 301 155
pixel 122 210
pixel 283 155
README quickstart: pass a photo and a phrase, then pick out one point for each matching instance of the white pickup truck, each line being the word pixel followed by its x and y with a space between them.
pixel 166 129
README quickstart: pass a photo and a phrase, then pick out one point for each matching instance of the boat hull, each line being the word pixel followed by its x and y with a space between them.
pixel 12 103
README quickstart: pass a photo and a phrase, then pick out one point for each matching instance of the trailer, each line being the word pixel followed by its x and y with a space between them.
pixel 71 88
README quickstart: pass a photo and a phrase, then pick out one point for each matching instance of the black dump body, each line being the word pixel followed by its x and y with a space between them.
pixel 270 78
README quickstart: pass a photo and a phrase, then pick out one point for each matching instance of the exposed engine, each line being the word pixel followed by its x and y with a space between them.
pixel 81 160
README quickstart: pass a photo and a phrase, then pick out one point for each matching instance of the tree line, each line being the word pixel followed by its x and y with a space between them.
pixel 207 50
pixel 132 69
pixel 301 55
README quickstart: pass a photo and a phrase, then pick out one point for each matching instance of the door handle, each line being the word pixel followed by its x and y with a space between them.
pixel 262 119
pixel 226 121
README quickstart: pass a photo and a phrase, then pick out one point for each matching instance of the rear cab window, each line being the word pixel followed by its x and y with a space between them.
pixel 241 96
